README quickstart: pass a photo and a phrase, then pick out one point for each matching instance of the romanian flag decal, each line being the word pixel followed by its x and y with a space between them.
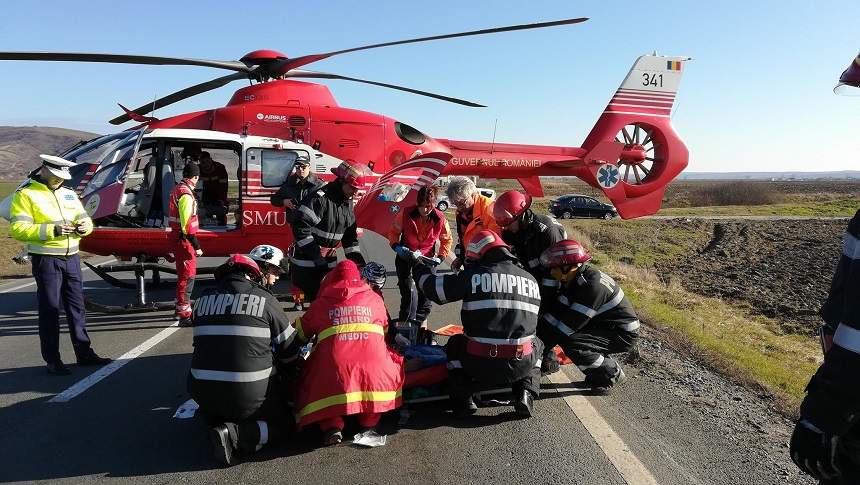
pixel 673 65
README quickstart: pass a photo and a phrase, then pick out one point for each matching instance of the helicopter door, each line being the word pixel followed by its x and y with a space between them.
pixel 103 194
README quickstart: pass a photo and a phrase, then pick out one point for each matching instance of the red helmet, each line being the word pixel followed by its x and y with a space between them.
pixel 239 262
pixel 509 206
pixel 353 173
pixel 482 242
pixel 564 253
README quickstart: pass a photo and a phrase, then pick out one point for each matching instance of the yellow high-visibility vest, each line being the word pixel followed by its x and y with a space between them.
pixel 36 210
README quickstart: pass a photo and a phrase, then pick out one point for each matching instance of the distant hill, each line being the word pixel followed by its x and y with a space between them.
pixel 836 175
pixel 20 147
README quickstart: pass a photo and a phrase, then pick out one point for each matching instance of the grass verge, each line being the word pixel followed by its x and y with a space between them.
pixel 842 206
pixel 750 350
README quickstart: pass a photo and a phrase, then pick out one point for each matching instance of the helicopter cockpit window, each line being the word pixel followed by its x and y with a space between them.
pixel 90 156
pixel 408 134
pixel 113 164
pixel 276 166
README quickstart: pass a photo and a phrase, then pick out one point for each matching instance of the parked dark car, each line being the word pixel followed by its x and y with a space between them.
pixel 574 205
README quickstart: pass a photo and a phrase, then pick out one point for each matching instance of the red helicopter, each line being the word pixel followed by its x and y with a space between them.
pixel 631 153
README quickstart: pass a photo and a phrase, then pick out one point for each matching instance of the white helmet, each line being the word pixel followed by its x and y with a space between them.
pixel 266 256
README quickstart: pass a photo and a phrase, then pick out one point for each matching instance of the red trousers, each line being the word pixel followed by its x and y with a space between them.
pixel 186 268
pixel 365 420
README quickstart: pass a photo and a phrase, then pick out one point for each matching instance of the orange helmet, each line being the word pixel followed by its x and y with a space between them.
pixel 353 173
pixel 564 253
pixel 509 206
pixel 482 242
pixel 239 262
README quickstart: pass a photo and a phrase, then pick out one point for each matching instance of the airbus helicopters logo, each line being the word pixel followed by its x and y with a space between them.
pixel 272 118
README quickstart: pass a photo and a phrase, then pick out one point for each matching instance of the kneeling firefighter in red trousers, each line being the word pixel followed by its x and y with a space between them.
pixel 350 370
pixel 499 313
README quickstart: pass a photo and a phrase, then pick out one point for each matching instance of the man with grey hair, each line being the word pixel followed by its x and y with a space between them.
pixel 474 214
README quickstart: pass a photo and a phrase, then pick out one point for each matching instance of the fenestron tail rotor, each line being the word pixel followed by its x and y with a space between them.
pixel 642 154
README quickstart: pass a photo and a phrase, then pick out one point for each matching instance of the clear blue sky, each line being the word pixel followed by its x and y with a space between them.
pixel 757 96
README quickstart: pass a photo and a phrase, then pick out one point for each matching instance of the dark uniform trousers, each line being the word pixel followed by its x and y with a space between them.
pixel 413 304
pixel 308 278
pixel 590 318
pixel 499 311
pixel 58 280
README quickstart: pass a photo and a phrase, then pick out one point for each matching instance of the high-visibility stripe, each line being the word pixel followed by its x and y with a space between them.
pixel 352 249
pixel 227 376
pixel 307 263
pixel 440 289
pixel 305 241
pixel 551 282
pixel 510 304
pixel 501 341
pixel 578 307
pixel 233 330
pixel 51 251
pixel 309 215
pixel 299 331
pixel 611 303
pixel 594 365
pixel 454 364
pixel 534 262
pixel 563 300
pixel 350 328
pixel 264 434
pixel 422 279
pixel 634 325
pixel 283 336
pixel 43 231
pixel 349 397
pixel 851 246
pixel 21 219
pixel 327 235
pixel 847 338
pixel 555 322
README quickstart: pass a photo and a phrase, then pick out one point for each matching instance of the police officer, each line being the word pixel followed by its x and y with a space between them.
pixel 589 316
pixel 826 439
pixel 50 219
pixel 326 219
pixel 241 335
pixel 296 188
pixel 183 222
pixel 499 313
pixel 529 235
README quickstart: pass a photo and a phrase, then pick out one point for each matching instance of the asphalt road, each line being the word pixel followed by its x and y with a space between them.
pixel 122 429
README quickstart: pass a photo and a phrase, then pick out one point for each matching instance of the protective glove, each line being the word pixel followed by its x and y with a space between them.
pixel 63 229
pixel 198 252
pixel 814 451
pixel 456 265
pixel 403 252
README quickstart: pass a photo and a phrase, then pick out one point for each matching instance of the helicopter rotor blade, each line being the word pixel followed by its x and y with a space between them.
pixel 180 95
pixel 282 67
pixel 122 59
pixel 300 73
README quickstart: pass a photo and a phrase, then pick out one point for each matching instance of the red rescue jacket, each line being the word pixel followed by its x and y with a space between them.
pixel 350 369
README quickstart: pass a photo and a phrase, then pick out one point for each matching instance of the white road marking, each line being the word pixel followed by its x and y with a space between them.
pixel 619 454
pixel 107 370
pixel 15 288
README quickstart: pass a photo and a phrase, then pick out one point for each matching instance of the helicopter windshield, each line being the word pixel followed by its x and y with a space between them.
pixel 98 154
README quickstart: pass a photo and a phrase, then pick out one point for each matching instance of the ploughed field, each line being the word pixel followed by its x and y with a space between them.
pixel 777 268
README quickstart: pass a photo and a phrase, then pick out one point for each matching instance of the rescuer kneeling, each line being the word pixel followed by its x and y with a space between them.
pixel 244 347
pixel 350 370
pixel 500 311
pixel 589 316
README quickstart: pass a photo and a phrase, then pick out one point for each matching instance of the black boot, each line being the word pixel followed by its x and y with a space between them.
pixel 524 403
pixel 224 443
pixel 549 363
pixel 464 408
